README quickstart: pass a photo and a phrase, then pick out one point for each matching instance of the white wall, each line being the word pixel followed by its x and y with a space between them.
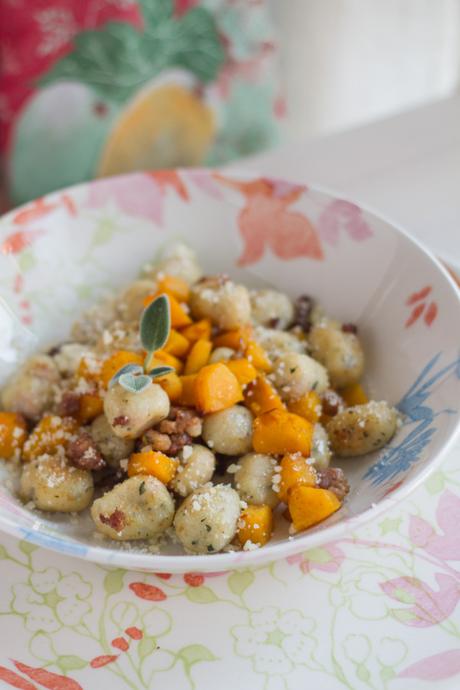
pixel 346 62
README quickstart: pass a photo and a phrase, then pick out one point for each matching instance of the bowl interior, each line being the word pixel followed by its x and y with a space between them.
pixel 60 254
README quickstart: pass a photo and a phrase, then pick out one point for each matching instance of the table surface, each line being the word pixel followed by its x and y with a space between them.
pixel 378 609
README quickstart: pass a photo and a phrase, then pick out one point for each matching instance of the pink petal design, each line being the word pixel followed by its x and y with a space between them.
pixel 139 195
pixel 436 667
pixel 415 315
pixel 204 181
pixel 294 236
pixel 420 532
pixel 343 214
pixel 448 512
pixel 447 546
pixel 15 680
pixel 52 681
pixel 431 313
pixel 418 296
pixel 428 607
pixel 282 189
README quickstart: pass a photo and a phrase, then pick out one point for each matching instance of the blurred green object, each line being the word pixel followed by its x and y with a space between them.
pixel 173 84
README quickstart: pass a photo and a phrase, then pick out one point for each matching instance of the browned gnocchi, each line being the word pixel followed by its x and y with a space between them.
pixel 195 409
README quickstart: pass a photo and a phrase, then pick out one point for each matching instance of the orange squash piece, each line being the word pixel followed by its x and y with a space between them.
pixel 255 525
pixel 13 434
pixel 177 344
pixel 354 395
pixel 216 388
pixel 295 469
pixel 50 434
pixel 179 316
pixel 91 406
pixel 278 432
pixel 260 397
pixel 89 368
pixel 244 371
pixel 308 406
pixel 174 286
pixel 256 354
pixel 172 385
pixel 198 356
pixel 308 506
pixel 160 358
pixel 200 330
pixel 187 396
pixel 153 463
pixel 237 340
pixel 115 362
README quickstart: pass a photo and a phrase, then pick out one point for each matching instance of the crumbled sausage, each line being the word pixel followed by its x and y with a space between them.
pixel 332 403
pixel 83 453
pixel 333 478
pixel 175 432
pixel 69 404
pixel 121 420
pixel 180 420
pixel 303 307
pixel 115 520
pixel 156 441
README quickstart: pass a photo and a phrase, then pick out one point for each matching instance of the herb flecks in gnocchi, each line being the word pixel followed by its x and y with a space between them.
pixel 193 408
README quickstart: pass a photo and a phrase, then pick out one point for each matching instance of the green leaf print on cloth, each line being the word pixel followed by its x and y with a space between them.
pixel 117 60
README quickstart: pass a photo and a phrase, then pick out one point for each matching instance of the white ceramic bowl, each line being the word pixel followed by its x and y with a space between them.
pixel 60 253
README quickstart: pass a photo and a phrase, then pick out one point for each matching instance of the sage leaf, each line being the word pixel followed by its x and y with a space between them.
pixel 155 324
pixel 160 371
pixel 134 384
pixel 127 369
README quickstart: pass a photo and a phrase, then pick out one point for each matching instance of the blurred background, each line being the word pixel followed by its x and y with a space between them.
pixel 90 88
pixel 348 62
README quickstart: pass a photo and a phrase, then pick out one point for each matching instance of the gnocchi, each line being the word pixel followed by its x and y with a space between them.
pixel 249 386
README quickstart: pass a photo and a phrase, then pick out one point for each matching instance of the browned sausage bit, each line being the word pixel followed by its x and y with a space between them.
pixel 83 453
pixel 334 479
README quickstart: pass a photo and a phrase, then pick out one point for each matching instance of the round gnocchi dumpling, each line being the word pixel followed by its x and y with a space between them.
pixel 54 485
pixel 254 479
pixel 229 431
pixel 362 429
pixel 130 303
pixel 207 519
pixel 320 448
pixel 271 308
pixel 221 300
pixel 197 465
pixel 176 260
pixel 277 343
pixel 130 414
pixel 295 374
pixel 221 354
pixel 341 353
pixel 69 356
pixel 112 447
pixel 139 508
pixel 31 391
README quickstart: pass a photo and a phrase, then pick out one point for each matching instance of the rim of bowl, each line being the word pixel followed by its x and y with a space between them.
pixel 220 562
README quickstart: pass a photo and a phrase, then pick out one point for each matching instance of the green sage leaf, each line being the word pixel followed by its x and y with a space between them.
pixel 134 384
pixel 160 371
pixel 155 324
pixel 127 369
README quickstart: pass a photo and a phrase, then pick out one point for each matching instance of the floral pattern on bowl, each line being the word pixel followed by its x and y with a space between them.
pixel 60 253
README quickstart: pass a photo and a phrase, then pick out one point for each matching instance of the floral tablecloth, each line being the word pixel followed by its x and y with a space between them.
pixel 377 610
